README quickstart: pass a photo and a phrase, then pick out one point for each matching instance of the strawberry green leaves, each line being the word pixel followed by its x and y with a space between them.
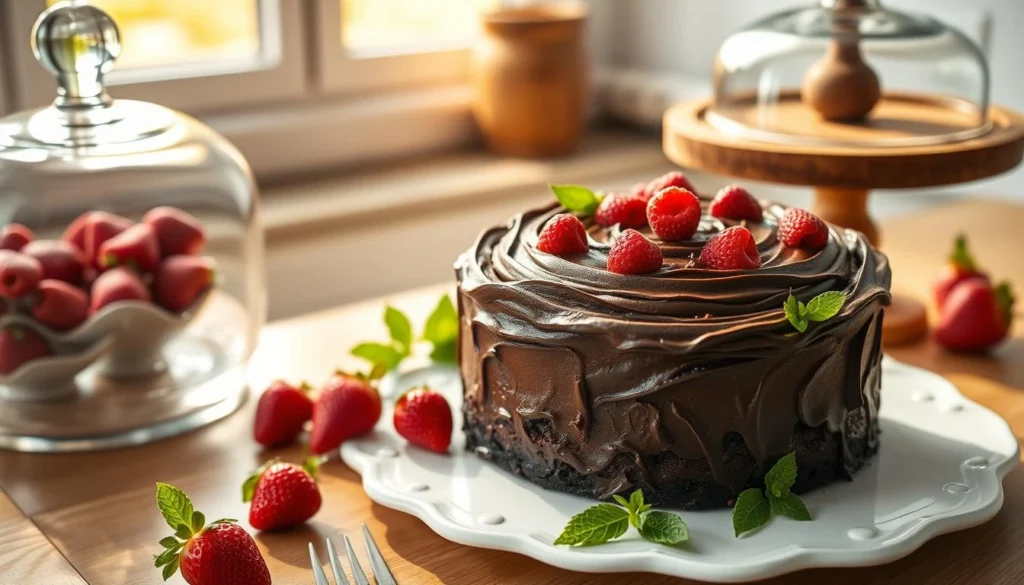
pixel 821 308
pixel 179 514
pixel 579 200
pixel 753 508
pixel 604 522
pixel 442 331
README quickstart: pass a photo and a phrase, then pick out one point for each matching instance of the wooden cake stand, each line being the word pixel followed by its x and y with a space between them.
pixel 908 141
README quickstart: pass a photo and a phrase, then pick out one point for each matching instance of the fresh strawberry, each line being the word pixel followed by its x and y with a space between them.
pixel 731 249
pixel 14 236
pixel 674 214
pixel 117 284
pixel 180 280
pixel 177 232
pixel 92 230
pixel 135 247
pixel 59 305
pixel 348 406
pixel 632 253
pixel 800 228
pixel 280 414
pixel 975 316
pixel 61 260
pixel 218 553
pixel 736 203
pixel 19 274
pixel 282 494
pixel 19 345
pixel 424 418
pixel 563 235
pixel 673 179
pixel 629 211
pixel 959 267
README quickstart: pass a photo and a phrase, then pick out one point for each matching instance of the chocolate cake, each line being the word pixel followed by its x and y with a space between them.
pixel 687 383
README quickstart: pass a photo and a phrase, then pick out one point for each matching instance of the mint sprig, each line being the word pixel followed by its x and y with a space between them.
pixel 821 308
pixel 442 331
pixel 604 522
pixel 577 199
pixel 186 522
pixel 754 509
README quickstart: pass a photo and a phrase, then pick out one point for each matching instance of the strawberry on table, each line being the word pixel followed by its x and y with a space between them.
pixel 959 267
pixel 59 305
pixel 282 411
pixel 731 249
pixel 800 228
pixel 180 280
pixel 218 553
pixel 177 232
pixel 672 179
pixel 135 247
pixel 625 209
pixel 975 316
pixel 674 214
pixel 14 236
pixel 19 345
pixel 60 260
pixel 19 274
pixel 736 203
pixel 632 253
pixel 348 406
pixel 423 417
pixel 563 235
pixel 118 284
pixel 283 495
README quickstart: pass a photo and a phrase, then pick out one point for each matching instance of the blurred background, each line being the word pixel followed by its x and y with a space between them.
pixel 357 115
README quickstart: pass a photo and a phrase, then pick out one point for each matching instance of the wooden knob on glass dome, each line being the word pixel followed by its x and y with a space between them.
pixel 841 86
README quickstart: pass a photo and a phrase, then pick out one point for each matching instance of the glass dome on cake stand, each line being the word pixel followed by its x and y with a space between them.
pixel 847 96
pixel 133 371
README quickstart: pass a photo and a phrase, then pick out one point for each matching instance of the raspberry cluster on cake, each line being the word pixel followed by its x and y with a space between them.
pixel 663 359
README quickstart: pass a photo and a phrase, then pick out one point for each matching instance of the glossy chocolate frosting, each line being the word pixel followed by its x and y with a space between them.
pixel 630 368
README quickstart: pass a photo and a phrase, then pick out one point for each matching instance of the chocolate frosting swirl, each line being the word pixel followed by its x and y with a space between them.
pixel 657 341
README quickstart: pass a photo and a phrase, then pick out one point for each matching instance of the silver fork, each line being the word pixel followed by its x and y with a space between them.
pixel 381 572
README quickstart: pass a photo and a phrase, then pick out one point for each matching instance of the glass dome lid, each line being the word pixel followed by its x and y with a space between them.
pixel 850 73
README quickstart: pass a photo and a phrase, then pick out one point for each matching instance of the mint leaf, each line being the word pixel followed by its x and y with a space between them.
pixel 378 354
pixel 169 542
pixel 445 353
pixel 781 476
pixel 790 506
pixel 751 511
pixel 621 500
pixel 198 521
pixel 795 314
pixel 576 199
pixel 165 557
pixel 399 327
pixel 636 500
pixel 174 505
pixel 442 331
pixel 825 306
pixel 171 568
pixel 663 528
pixel 595 525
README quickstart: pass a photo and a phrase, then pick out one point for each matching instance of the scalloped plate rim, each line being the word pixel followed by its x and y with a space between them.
pixel 772 563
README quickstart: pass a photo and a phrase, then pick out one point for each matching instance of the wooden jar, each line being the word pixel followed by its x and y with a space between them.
pixel 531 80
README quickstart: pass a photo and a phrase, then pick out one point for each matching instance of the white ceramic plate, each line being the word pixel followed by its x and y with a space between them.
pixel 940 468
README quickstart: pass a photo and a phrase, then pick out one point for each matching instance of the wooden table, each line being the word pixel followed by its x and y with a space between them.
pixel 91 518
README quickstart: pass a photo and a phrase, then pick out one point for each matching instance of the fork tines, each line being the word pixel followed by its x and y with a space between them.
pixel 381 572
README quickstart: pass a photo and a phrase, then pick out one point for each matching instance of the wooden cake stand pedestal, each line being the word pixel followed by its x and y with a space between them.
pixel 908 141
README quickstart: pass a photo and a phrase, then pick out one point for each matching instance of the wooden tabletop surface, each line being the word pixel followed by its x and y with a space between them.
pixel 91 518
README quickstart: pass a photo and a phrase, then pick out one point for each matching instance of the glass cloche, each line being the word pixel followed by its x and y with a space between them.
pixel 132 314
pixel 851 73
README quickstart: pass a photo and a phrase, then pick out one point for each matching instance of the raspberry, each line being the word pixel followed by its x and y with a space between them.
pixel 673 179
pixel 731 249
pixel 624 209
pixel 632 253
pixel 800 228
pixel 564 235
pixel 735 202
pixel 674 214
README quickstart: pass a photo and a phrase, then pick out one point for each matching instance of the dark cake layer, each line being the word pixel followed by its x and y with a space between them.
pixel 687 383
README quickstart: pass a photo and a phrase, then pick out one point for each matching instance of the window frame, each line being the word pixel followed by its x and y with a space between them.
pixel 343 73
pixel 212 89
